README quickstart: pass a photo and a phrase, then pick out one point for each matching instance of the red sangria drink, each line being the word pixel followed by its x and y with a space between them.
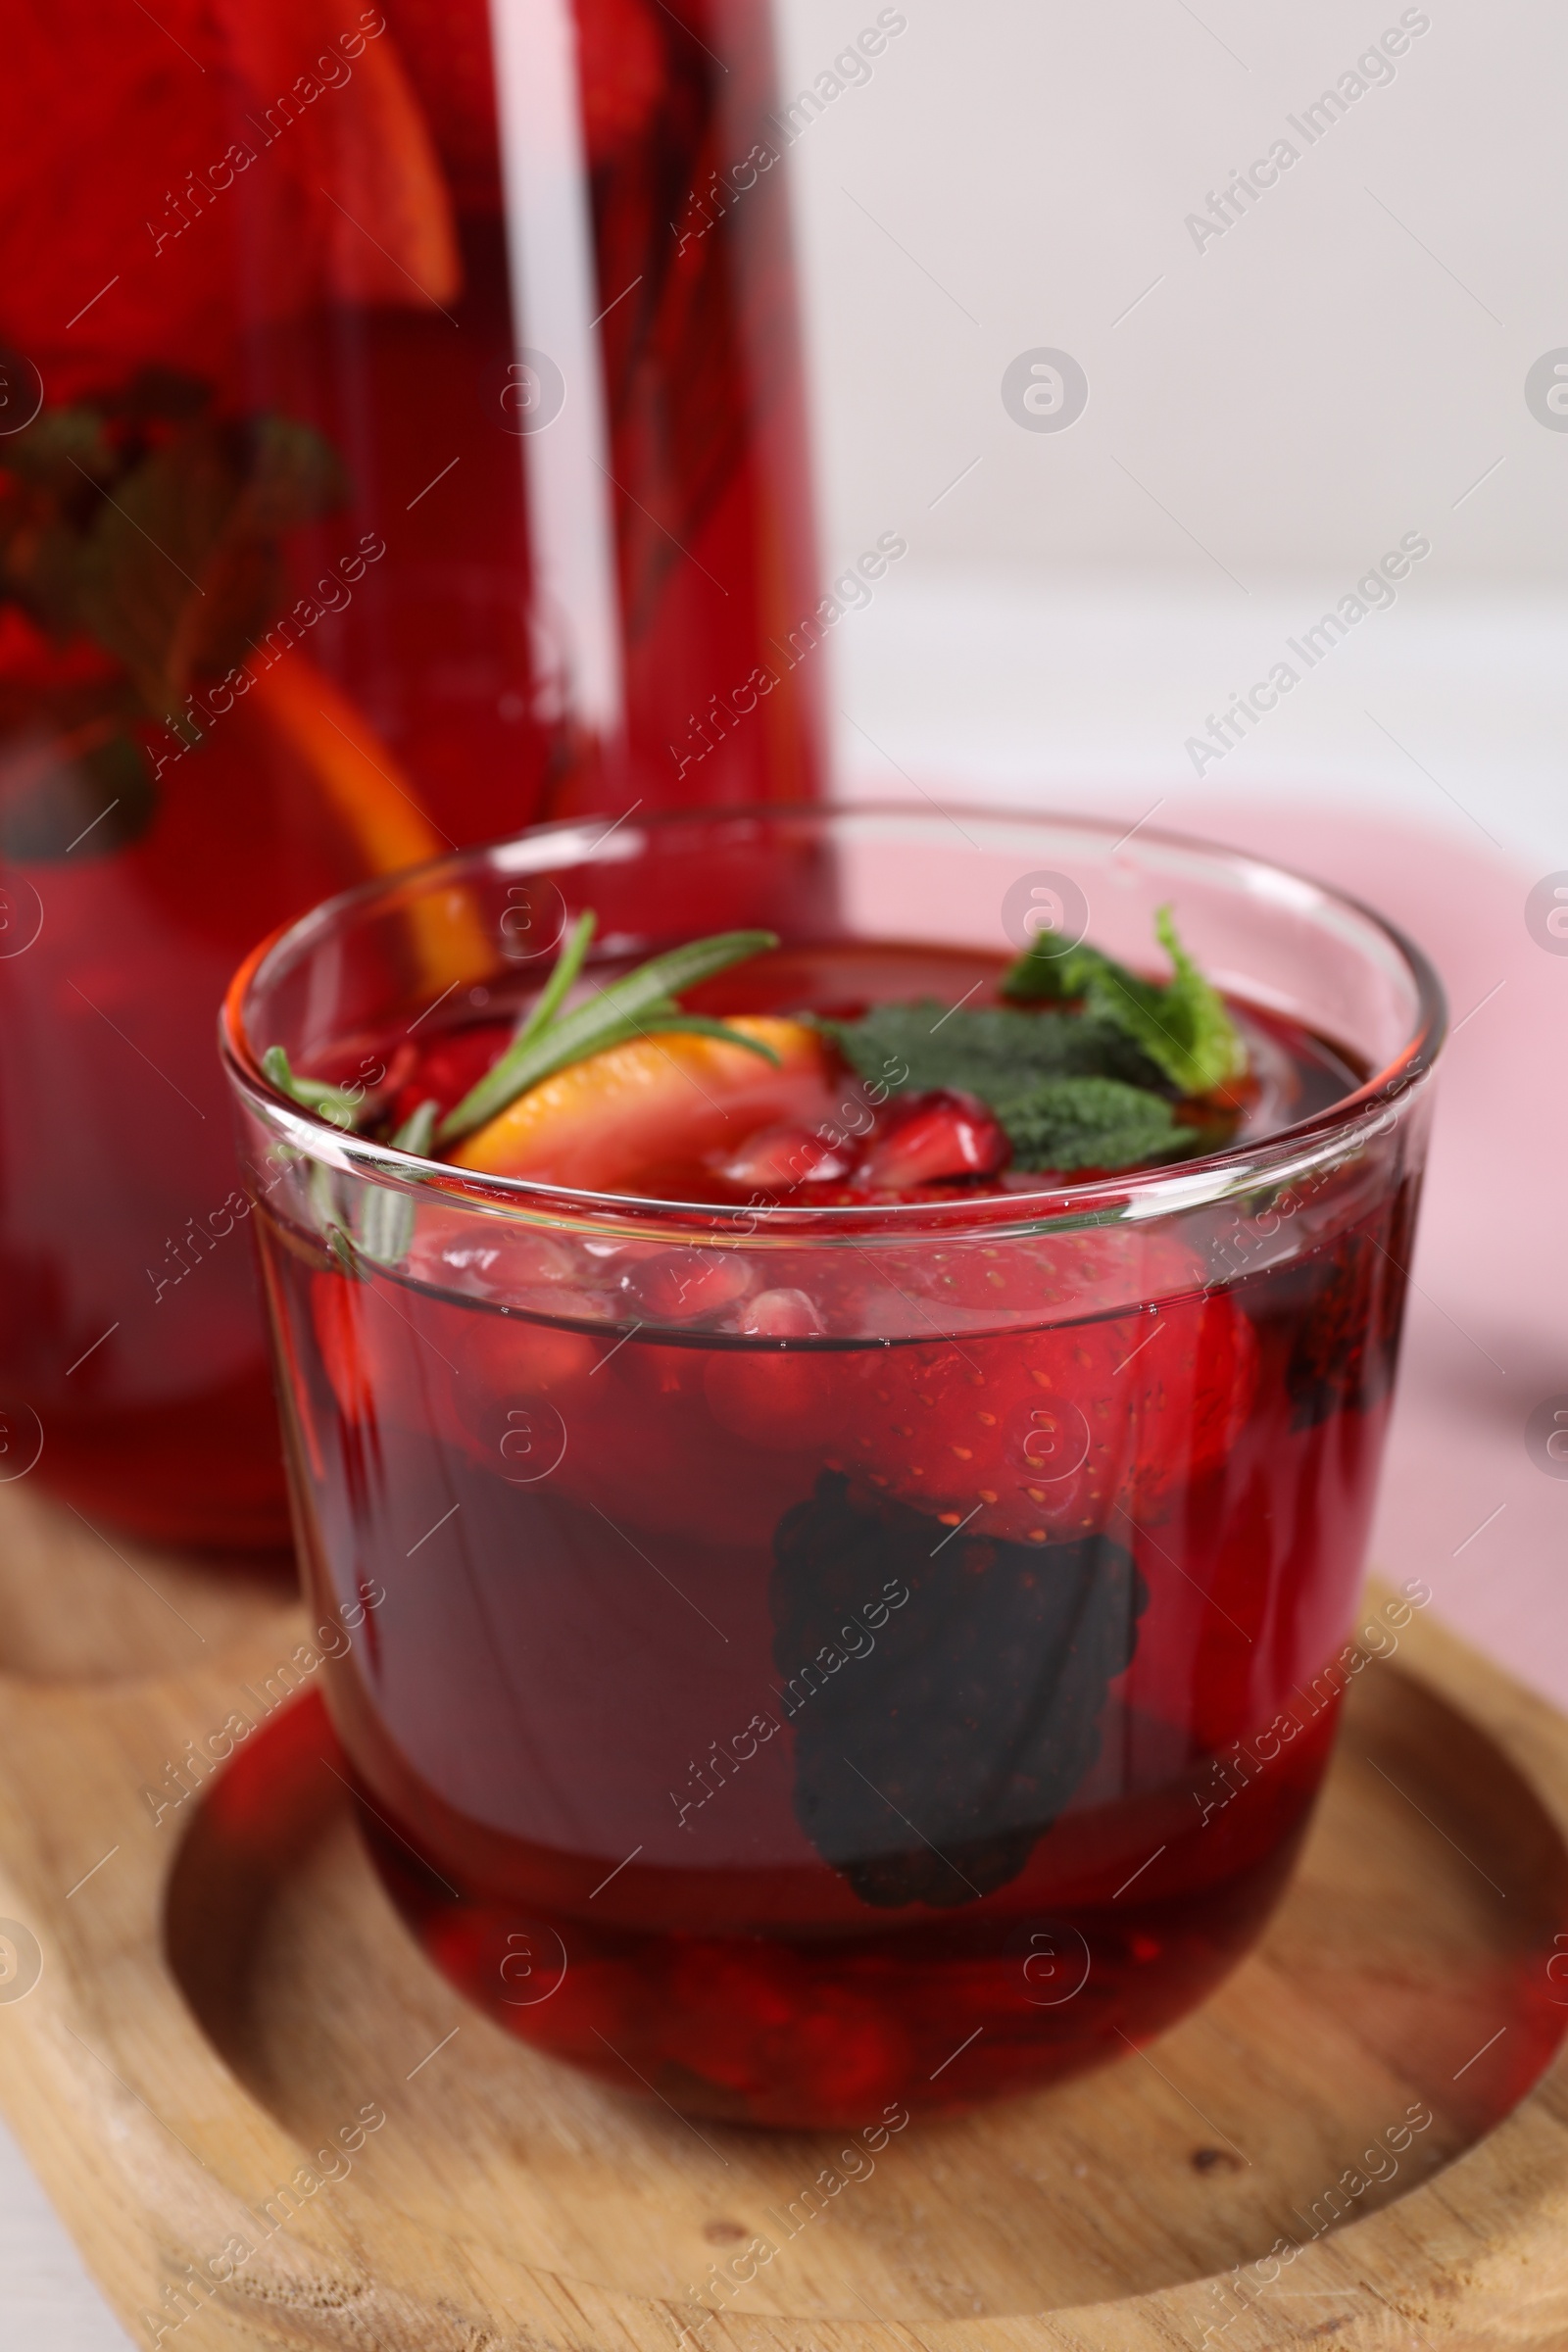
pixel 861 1389
pixel 401 441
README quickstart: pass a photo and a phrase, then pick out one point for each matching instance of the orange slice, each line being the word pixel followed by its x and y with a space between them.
pixel 356 140
pixel 660 1101
pixel 376 805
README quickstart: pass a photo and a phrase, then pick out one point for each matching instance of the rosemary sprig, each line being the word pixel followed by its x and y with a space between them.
pixel 331 1102
pixel 339 1110
pixel 386 1220
pixel 569 963
pixel 638 1004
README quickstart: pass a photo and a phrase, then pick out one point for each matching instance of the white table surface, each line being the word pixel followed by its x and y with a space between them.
pixel 1446 719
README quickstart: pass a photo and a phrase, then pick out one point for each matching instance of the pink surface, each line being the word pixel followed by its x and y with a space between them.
pixel 1486 1334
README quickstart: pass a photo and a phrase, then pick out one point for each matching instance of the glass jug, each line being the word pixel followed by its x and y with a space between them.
pixel 401 440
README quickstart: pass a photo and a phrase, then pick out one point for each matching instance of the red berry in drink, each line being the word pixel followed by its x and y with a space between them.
pixel 1038 1435
pixel 776 1158
pixel 931 1138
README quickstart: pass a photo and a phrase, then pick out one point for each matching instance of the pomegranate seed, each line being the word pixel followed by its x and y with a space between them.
pixel 781 1315
pixel 684 1284
pixel 931 1137
pixel 774 1158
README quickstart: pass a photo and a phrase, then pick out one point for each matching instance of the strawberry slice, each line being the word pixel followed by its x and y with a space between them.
pixel 1044 1435
pixel 662 1104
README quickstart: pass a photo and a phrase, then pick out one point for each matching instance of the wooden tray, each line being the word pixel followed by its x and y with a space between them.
pixel 212 2009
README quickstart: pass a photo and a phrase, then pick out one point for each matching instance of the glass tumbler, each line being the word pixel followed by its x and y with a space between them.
pixel 401 441
pixel 821 1661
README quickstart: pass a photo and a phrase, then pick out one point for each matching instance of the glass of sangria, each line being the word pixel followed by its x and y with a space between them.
pixel 860 1380
pixel 401 441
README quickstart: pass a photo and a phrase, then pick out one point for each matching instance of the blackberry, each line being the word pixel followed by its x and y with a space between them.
pixel 933 1749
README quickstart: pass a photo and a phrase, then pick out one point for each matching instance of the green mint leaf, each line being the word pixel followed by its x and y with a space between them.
pixel 292 474
pixel 1057 975
pixel 284 474
pixel 141 563
pixel 1074 1089
pixel 155 527
pixel 991 1053
pixel 1181 1025
pixel 58 448
pixel 630 1006
pixel 1194 1008
pixel 386 1220
pixel 1071 1123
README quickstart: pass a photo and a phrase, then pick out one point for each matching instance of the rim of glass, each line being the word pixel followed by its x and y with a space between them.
pixel 1136 1196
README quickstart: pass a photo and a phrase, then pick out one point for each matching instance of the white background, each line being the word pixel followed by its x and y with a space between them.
pixel 1317 380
